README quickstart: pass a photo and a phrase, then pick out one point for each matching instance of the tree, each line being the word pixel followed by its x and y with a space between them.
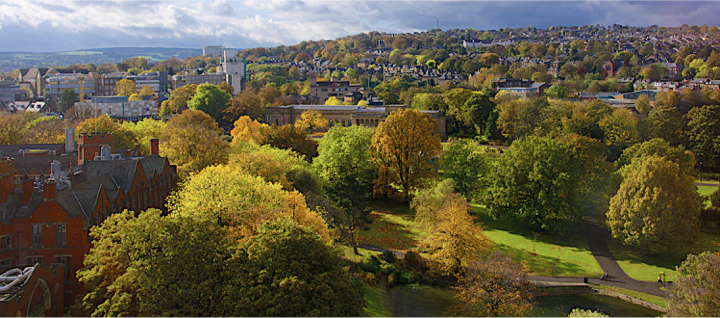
pixel 350 198
pixel 467 164
pixel 343 152
pixel 642 104
pixel 146 90
pixel 135 97
pixel 209 99
pixel 225 87
pixel 657 207
pixel 45 130
pixel 67 100
pixel 138 265
pixel 620 130
pixel 654 72
pixel 177 102
pixel 272 164
pixel 667 123
pixel 286 271
pixel 145 130
pixel 247 103
pixel 241 202
pixel 125 87
pixel 704 135
pixel 123 138
pixel 476 110
pixel 495 285
pixel 288 137
pixel 696 293
pixel 536 182
pixel 246 130
pixel 332 100
pixel 403 149
pixel 455 239
pixel 311 119
pixel 193 141
pixel 302 57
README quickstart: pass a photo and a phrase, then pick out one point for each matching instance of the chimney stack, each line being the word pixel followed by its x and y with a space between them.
pixel 69 140
pixel 154 146
pixel 49 190
pixel 27 190
pixel 138 152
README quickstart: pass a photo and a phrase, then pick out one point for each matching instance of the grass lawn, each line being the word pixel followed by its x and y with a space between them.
pixel 391 225
pixel 707 190
pixel 349 253
pixel 549 255
pixel 647 267
pixel 376 302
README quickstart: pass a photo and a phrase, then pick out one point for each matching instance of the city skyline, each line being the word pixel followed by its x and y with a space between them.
pixel 55 26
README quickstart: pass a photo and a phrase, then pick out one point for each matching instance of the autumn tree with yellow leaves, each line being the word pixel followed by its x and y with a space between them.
pixel 125 87
pixel 193 141
pixel 246 130
pixel 404 148
pixel 311 119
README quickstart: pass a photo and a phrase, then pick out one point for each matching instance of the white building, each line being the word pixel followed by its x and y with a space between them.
pixel 234 70
pixel 213 50
pixel 80 83
pixel 158 81
pixel 119 107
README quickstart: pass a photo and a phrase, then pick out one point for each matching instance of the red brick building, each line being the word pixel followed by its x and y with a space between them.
pixel 35 292
pixel 46 219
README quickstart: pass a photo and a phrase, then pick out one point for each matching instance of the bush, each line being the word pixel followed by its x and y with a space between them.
pixel 389 257
pixel 388 269
pixel 370 264
pixel 370 279
pixel 409 278
pixel 715 198
pixel 413 260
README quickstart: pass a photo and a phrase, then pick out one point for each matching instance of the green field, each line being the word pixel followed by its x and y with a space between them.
pixel 548 255
pixel 80 53
pixel 376 303
pixel 707 190
pixel 646 267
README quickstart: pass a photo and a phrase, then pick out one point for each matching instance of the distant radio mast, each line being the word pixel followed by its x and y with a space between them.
pixel 438 23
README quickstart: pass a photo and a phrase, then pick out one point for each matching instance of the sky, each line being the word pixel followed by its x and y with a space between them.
pixel 67 25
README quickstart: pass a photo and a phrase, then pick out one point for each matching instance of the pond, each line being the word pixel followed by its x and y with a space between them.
pixel 427 301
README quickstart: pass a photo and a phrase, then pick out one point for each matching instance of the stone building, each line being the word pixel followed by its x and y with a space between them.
pixel 368 116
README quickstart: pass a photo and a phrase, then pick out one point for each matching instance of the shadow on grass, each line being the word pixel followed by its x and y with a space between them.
pixel 543 265
pixel 390 225
pixel 643 266
pixel 574 236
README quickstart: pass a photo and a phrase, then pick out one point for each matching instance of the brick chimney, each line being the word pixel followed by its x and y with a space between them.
pixel 154 146
pixel 27 190
pixel 49 190
pixel 138 152
pixel 7 184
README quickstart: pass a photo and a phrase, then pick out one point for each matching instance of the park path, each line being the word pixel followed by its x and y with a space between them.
pixel 598 247
pixel 618 278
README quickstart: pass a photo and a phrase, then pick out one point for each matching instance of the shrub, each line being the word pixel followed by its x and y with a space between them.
pixel 715 198
pixel 370 279
pixel 389 257
pixel 409 278
pixel 370 264
pixel 388 269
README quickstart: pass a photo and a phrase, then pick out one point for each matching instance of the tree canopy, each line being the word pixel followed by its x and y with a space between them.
pixel 404 148
pixel 209 99
pixel 193 141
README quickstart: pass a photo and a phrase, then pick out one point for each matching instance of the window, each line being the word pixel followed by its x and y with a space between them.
pixel 30 261
pixel 37 235
pixel 6 242
pixel 65 260
pixel 61 234
pixel 6 262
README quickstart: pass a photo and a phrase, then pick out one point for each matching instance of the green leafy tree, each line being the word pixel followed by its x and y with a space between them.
pixel 139 265
pixel 666 122
pixel 403 149
pixel 536 182
pixel 209 99
pixel 343 152
pixel 125 87
pixel 123 138
pixel 178 100
pixel 578 312
pixel 697 292
pixel 475 112
pixel 657 207
pixel 287 271
pixel 67 100
pixel 467 164
pixel 704 135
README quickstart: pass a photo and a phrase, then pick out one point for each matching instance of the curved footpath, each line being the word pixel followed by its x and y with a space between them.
pixel 601 252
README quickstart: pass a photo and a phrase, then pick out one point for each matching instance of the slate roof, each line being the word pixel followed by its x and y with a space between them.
pixel 123 171
pixel 14 209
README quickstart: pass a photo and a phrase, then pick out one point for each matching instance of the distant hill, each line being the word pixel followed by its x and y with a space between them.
pixel 10 61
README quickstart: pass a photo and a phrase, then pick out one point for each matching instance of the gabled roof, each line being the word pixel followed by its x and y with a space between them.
pixel 123 171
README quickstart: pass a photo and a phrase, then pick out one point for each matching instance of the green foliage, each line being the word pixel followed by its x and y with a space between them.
pixel 209 99
pixel 536 181
pixel 289 137
pixel 193 141
pixel 661 148
pixel 704 135
pixel 145 130
pixel 657 207
pixel 370 264
pixel 67 100
pixel 286 270
pixel 697 292
pixel 343 152
pixel 467 164
pixel 715 198
pixel 389 257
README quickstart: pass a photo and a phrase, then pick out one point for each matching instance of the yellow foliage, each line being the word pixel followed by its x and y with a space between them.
pixel 311 119
pixel 272 164
pixel 192 141
pixel 244 202
pixel 402 148
pixel 146 90
pixel 247 130
pixel 332 100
